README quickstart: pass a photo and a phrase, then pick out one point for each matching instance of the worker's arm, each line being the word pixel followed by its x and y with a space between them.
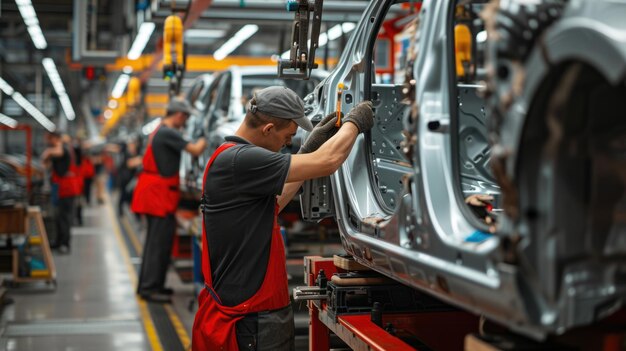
pixel 134 162
pixel 289 191
pixel 323 153
pixel 196 148
pixel 52 152
pixel 327 159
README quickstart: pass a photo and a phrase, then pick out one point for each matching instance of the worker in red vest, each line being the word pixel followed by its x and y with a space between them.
pixel 157 194
pixel 245 304
pixel 89 172
pixel 67 178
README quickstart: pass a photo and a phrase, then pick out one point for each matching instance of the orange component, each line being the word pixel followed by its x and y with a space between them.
pixel 134 91
pixel 462 49
pixel 173 36
pixel 340 88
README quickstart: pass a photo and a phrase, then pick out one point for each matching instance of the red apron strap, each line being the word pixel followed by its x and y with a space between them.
pixel 149 164
pixel 206 263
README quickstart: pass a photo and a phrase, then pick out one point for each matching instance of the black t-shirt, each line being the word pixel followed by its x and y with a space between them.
pixel 167 145
pixel 240 194
pixel 61 164
pixel 78 155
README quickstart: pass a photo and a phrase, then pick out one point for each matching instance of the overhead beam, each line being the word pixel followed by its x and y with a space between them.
pixel 80 52
pixel 265 10
pixel 196 63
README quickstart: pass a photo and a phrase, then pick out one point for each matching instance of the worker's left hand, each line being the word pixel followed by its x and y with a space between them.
pixel 323 131
pixel 481 205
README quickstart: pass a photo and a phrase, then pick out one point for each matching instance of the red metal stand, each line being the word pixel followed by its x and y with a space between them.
pixel 439 330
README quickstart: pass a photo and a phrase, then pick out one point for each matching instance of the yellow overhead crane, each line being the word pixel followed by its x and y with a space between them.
pixel 173 53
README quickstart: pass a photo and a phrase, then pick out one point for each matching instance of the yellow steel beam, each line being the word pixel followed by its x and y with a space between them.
pixel 155 112
pixel 157 99
pixel 195 63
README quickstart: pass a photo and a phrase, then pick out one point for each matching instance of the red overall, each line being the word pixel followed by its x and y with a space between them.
pixel 70 184
pixel 214 325
pixel 155 195
pixel 87 168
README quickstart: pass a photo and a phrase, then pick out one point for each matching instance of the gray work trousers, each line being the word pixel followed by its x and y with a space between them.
pixel 156 254
pixel 265 331
pixel 65 210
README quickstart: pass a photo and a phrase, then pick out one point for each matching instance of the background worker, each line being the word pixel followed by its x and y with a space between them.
pixel 157 194
pixel 66 176
pixel 89 172
pixel 128 169
pixel 246 184
pixel 78 159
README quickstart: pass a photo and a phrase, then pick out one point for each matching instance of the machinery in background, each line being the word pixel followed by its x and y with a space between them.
pixel 301 61
pixel 173 53
pixel 517 107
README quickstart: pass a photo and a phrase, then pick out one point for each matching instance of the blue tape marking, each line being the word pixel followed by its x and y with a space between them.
pixel 477 237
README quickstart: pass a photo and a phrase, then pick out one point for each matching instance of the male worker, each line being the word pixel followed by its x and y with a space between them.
pixel 67 180
pixel 245 303
pixel 157 194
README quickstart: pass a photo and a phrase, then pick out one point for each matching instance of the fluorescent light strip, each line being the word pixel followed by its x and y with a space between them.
pixel 5 87
pixel 330 35
pixel 204 33
pixel 120 86
pixel 32 23
pixel 8 121
pixel 27 106
pixel 149 127
pixel 233 43
pixel 57 84
pixel 481 37
pixel 141 40
pixel 33 111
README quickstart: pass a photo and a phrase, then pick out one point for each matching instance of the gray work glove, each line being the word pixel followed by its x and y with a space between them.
pixel 323 131
pixel 362 116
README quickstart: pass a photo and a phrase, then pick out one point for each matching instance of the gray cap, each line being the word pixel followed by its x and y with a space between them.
pixel 179 104
pixel 281 102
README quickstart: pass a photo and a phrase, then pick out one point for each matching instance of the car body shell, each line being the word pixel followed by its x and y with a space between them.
pixel 402 213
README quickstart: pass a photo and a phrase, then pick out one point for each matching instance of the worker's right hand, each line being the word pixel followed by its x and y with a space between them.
pixel 362 116
pixel 323 131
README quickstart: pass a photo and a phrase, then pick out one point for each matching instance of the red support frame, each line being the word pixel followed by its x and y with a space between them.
pixel 444 330
pixel 29 153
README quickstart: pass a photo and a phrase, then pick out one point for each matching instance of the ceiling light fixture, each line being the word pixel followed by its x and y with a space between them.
pixel 5 87
pixel 233 43
pixel 112 104
pixel 32 23
pixel 120 86
pixel 59 88
pixel 7 121
pixel 141 40
pixel 33 111
pixel 27 106
pixel 149 127
pixel 333 33
pixel 204 33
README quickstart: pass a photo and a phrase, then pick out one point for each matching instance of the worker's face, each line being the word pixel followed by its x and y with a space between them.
pixel 181 119
pixel 279 138
pixel 52 140
pixel 132 147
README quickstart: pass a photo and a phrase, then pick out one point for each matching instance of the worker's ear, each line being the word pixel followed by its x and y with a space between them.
pixel 267 129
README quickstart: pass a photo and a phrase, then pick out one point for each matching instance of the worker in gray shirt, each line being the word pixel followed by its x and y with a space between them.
pixel 157 194
pixel 245 304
